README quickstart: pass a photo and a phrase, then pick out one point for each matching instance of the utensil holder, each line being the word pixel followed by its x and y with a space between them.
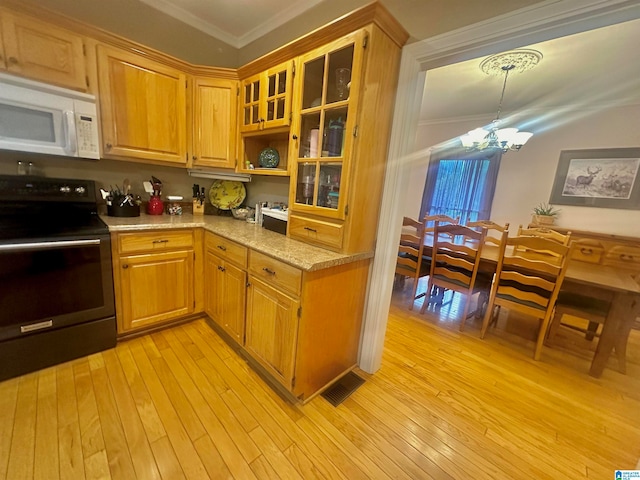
pixel 123 211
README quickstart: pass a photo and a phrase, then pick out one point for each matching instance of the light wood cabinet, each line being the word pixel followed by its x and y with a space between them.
pixel 142 108
pixel 154 274
pixel 343 106
pixel 42 51
pixel 225 284
pixel 272 329
pixel 265 116
pixel 214 122
pixel 266 98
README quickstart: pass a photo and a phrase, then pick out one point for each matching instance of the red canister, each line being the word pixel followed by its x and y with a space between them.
pixel 155 205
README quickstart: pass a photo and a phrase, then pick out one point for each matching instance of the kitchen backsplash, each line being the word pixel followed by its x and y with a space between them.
pixel 106 173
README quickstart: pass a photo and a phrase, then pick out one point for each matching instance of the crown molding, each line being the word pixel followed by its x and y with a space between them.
pixel 235 41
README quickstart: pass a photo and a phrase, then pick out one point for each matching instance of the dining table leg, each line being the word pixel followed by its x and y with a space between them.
pixel 625 307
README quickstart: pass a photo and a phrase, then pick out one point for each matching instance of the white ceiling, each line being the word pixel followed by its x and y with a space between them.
pixel 586 70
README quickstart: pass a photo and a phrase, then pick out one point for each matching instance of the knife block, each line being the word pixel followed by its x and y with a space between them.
pixel 198 207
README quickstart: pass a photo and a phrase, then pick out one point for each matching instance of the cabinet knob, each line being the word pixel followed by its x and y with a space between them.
pixel 108 146
pixel 194 158
pixel 125 266
pixel 295 137
pixel 13 60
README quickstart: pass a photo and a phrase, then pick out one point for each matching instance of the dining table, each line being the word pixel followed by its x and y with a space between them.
pixel 618 285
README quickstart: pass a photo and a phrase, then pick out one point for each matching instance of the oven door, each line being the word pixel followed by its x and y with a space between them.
pixel 46 285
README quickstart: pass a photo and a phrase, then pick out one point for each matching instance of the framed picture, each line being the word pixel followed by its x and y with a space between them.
pixel 605 177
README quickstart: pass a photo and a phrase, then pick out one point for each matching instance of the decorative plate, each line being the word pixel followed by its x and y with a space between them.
pixel 227 194
pixel 269 158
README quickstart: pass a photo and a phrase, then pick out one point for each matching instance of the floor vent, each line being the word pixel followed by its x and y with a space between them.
pixel 340 391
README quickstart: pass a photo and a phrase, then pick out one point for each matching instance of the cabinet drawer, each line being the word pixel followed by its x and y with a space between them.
pixel 155 241
pixel 275 272
pixel 588 253
pixel 316 231
pixel 226 249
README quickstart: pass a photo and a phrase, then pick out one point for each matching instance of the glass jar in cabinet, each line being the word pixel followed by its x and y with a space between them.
pixel 266 99
pixel 327 98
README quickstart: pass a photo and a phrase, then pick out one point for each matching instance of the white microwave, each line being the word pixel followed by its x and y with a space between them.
pixel 40 118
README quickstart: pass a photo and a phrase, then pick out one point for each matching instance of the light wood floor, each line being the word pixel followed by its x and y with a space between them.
pixel 181 404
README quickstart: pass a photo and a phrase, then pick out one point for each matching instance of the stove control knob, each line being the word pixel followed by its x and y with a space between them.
pixel 80 190
pixel 65 189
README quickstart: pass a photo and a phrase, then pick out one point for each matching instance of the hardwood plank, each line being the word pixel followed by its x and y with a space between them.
pixel 46 453
pixel 183 408
pixel 90 428
pixel 201 334
pixel 97 466
pixel 166 459
pixel 70 452
pixel 273 455
pixel 213 462
pixel 180 441
pixel 220 422
pixel 8 401
pixel 263 469
pixel 138 445
pixel 115 442
pixel 144 404
pixel 22 452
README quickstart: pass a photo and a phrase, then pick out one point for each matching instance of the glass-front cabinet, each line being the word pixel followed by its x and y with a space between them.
pixel 266 99
pixel 327 95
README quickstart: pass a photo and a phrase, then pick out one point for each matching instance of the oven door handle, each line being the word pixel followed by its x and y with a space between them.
pixel 10 247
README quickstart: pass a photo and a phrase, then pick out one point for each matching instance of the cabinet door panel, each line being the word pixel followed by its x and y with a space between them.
pixel 272 330
pixel 235 281
pixel 142 107
pixel 155 288
pixel 44 52
pixel 214 288
pixel 215 123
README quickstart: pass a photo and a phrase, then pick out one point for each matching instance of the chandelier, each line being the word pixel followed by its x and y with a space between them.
pixel 493 137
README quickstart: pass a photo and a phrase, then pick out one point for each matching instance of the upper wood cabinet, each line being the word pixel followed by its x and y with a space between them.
pixel 41 51
pixel 343 107
pixel 266 99
pixel 214 122
pixel 143 107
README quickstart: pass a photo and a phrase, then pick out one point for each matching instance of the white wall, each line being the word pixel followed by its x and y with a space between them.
pixel 526 177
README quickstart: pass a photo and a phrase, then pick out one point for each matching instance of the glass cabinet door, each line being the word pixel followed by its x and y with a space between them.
pixel 326 126
pixel 266 98
pixel 250 97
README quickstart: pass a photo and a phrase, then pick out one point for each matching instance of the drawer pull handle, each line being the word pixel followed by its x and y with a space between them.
pixel 586 251
pixel 624 256
pixel 161 241
pixel 222 247
pixel 269 271
pixel 221 268
pixel 311 229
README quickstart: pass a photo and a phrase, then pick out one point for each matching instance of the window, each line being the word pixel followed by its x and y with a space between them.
pixel 461 184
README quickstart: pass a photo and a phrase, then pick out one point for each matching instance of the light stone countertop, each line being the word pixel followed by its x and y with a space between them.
pixel 298 254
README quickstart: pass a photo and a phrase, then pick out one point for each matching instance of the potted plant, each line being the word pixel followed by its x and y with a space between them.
pixel 544 214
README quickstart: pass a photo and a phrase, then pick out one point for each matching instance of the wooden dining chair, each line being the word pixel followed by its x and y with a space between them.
pixel 409 262
pixel 484 279
pixel 430 222
pixel 455 262
pixel 544 232
pixel 528 280
pixel 590 311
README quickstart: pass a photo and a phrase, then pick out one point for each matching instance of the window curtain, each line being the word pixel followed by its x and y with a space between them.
pixel 461 184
